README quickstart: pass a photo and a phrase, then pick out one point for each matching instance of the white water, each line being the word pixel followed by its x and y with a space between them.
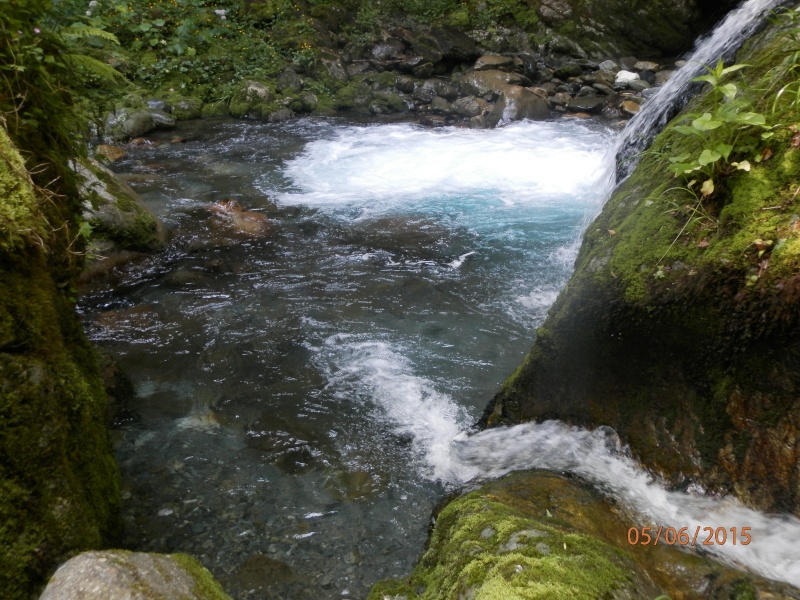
pixel 490 182
pixel 726 38
pixel 382 168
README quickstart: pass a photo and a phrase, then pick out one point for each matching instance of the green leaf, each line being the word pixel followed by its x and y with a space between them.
pixel 708 79
pixel 679 158
pixel 733 68
pixel 686 130
pixel 159 22
pixel 708 156
pixel 729 90
pixel 706 122
pixel 724 149
pixel 752 118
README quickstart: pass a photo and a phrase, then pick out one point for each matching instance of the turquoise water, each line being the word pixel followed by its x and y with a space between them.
pixel 299 393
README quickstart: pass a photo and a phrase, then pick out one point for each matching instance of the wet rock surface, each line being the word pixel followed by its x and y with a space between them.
pixel 541 531
pixel 134 576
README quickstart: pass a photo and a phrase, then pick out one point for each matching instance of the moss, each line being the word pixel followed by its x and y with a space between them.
pixel 206 586
pixel 679 325
pixel 543 536
pixel 353 96
pixel 21 220
pixel 60 485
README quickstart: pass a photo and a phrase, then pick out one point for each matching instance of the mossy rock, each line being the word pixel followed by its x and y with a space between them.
pixel 134 575
pixel 538 535
pixel 353 96
pixel 254 99
pixel 59 484
pixel 680 326
pixel 116 213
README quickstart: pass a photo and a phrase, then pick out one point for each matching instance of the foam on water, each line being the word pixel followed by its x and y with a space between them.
pixel 596 456
pixel 389 166
pixel 447 450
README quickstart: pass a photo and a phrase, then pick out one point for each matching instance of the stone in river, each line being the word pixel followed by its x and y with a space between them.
pixel 242 221
pixel 492 61
pixel 638 85
pixel 132 575
pixel 589 104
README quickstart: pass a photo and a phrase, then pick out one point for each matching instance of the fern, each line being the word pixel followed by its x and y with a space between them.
pixel 93 67
pixel 82 32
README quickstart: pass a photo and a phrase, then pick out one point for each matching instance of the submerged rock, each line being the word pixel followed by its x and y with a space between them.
pixel 240 220
pixel 132 575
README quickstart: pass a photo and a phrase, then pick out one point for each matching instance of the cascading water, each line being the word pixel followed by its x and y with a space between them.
pixel 306 398
pixel 726 39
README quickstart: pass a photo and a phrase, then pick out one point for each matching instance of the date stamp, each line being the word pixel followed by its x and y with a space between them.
pixel 702 536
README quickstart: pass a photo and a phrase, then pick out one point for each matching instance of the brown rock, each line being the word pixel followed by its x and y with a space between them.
pixel 629 107
pixel 243 221
pixel 110 153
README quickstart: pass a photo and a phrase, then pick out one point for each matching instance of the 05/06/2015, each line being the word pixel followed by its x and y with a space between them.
pixel 644 536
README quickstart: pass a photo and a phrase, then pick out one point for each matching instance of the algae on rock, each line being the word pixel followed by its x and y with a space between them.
pixel 537 535
pixel 678 328
pixel 59 484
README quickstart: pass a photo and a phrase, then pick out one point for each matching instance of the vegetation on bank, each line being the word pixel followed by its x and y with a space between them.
pixel 59 485
pixel 679 326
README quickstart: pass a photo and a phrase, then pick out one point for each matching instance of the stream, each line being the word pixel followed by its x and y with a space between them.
pixel 307 396
pixel 299 392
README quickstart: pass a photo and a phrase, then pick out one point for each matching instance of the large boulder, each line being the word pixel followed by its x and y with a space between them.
pixel 116 213
pixel 59 484
pixel 517 103
pixel 127 123
pixel 493 81
pixel 680 325
pixel 133 576
pixel 540 535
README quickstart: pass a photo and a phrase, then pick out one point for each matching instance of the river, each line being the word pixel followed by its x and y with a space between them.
pixel 299 392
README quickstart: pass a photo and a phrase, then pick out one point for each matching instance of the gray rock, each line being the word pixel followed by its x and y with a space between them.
pixel 289 82
pixel 554 12
pixel 637 85
pixel 560 99
pixel 562 45
pixel 335 68
pixel 126 123
pixel 187 108
pixel 440 105
pixel 625 76
pixel 520 540
pixel 155 104
pixel 404 84
pixel 648 76
pixel 440 88
pixel 469 106
pixel 571 69
pixel 494 61
pixel 358 67
pixel 587 90
pixel 117 574
pixel 423 70
pixel 442 44
pixel 115 211
pixel 588 104
pixel 609 65
pixel 604 89
pixel 628 63
pixel 478 122
pixel 517 103
pixel 391 48
pixel 646 65
pixel 478 83
pixel 280 115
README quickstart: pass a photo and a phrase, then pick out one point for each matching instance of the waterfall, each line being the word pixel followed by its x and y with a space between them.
pixel 723 42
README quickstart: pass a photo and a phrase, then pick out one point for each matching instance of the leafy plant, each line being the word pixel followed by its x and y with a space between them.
pixel 726 131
